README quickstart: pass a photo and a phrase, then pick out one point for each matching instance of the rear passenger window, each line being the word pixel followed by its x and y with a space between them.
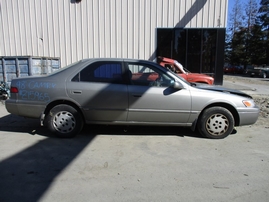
pixel 107 72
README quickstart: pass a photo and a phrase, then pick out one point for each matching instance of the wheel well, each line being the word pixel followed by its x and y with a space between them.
pixel 226 106
pixel 58 102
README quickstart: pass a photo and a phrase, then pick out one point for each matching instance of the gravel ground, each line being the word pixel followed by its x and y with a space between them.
pixel 263 103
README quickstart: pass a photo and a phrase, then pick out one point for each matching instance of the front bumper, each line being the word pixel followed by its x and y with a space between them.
pixel 248 116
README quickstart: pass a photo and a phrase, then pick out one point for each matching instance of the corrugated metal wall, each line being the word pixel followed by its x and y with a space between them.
pixel 98 28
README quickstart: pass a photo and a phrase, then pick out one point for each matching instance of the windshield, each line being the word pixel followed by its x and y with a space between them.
pixel 186 70
pixel 174 74
pixel 180 67
pixel 178 76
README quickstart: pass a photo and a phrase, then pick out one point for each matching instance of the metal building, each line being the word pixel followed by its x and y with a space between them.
pixel 143 29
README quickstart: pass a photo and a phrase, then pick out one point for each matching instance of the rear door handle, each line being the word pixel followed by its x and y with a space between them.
pixel 77 92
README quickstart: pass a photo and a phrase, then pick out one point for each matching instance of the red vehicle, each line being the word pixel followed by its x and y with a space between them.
pixel 177 68
pixel 233 69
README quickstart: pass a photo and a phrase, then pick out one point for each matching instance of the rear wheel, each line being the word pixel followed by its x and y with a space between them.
pixel 216 123
pixel 64 121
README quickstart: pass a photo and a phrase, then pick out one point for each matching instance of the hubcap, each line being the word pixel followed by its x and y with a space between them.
pixel 217 124
pixel 64 122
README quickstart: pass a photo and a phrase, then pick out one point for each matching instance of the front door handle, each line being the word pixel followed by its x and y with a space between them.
pixel 137 95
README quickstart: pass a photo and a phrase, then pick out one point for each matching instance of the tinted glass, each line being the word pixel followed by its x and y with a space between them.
pixel 108 72
pixel 209 50
pixel 199 50
pixel 194 50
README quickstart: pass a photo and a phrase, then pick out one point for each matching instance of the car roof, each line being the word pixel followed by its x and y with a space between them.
pixel 84 62
pixel 115 59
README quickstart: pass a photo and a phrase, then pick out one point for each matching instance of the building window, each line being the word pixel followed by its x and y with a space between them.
pixel 198 50
pixel 194 50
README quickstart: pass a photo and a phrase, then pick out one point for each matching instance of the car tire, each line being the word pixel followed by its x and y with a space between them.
pixel 216 123
pixel 264 75
pixel 64 121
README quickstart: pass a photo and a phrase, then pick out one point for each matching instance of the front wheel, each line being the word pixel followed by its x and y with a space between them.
pixel 216 123
pixel 64 121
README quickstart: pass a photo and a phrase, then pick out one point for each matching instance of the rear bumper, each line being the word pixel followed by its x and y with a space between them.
pixel 22 109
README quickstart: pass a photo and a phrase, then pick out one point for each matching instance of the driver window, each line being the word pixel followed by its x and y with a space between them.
pixel 145 75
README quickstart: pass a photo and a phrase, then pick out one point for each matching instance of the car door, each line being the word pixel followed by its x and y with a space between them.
pixel 101 92
pixel 153 100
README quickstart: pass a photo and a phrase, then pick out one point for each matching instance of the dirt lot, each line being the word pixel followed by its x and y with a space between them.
pixel 255 87
pixel 263 102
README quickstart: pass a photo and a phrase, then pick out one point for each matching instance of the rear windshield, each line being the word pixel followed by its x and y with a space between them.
pixel 64 68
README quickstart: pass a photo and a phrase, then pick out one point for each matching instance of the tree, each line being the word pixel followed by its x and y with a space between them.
pixel 263 20
pixel 264 14
pixel 247 42
pixel 251 10
pixel 238 48
pixel 236 20
pixel 257 48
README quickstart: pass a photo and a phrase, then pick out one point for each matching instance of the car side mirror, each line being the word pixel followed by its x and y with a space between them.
pixel 177 85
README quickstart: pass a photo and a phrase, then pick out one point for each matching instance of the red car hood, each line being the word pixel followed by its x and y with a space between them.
pixel 195 75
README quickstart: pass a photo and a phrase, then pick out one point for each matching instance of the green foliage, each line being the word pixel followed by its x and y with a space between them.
pixel 263 17
pixel 249 44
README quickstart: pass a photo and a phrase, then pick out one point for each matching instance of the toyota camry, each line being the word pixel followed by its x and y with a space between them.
pixel 127 92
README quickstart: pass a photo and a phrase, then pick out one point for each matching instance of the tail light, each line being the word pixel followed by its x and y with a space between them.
pixel 14 90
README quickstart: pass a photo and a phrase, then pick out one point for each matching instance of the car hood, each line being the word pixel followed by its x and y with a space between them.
pixel 197 74
pixel 220 89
